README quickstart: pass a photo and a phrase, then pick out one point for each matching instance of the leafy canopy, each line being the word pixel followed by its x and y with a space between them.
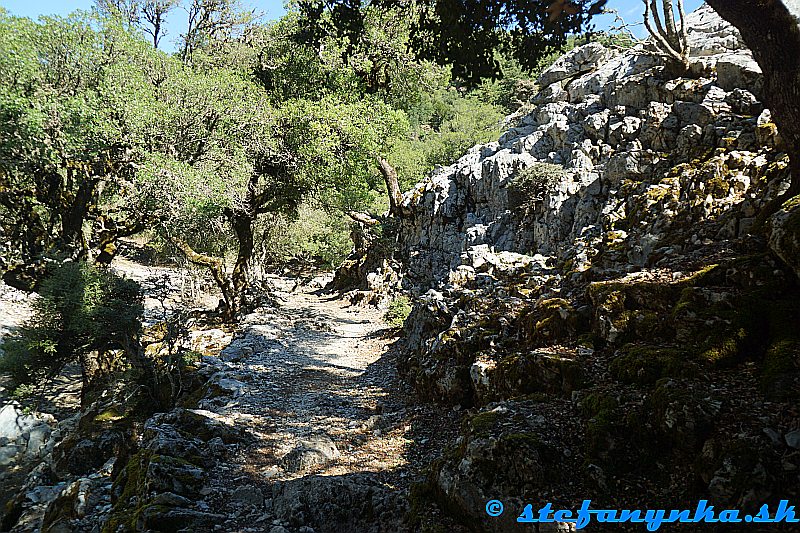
pixel 469 35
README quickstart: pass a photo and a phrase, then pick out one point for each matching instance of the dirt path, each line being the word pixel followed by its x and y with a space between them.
pixel 330 436
pixel 314 383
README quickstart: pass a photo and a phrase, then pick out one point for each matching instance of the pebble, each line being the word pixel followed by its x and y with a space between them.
pixel 793 439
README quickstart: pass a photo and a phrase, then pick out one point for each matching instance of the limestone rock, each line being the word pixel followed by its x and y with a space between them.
pixel 607 118
pixel 506 451
pixel 310 452
pixel 248 495
pixel 736 71
pixel 581 59
pixel 22 436
pixel 339 503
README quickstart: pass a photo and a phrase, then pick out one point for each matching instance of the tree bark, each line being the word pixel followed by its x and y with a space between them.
pixel 108 236
pixel 240 277
pixel 772 34
pixel 217 268
pixel 393 187
pixel 74 210
pixel 363 218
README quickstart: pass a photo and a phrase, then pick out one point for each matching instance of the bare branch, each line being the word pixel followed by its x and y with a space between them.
pixel 656 16
pixel 669 23
pixel 362 218
pixel 154 13
pixel 684 34
pixel 672 47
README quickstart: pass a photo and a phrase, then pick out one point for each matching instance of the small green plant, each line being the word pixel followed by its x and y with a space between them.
pixel 398 311
pixel 530 184
pixel 190 358
pixel 84 314
pixel 23 392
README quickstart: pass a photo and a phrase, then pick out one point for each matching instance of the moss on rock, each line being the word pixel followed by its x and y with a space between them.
pixel 130 485
pixel 643 364
pixel 482 423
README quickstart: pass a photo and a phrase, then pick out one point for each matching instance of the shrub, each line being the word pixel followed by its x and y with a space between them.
pixel 398 311
pixel 314 236
pixel 83 314
pixel 530 184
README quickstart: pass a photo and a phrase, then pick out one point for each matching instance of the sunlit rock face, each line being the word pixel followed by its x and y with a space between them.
pixel 583 281
pixel 649 159
pixel 794 8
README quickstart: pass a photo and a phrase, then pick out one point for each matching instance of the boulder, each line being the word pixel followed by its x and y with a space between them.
pixel 577 61
pixel 509 452
pixel 22 436
pixel 248 495
pixel 310 452
pixel 739 71
pixel 339 503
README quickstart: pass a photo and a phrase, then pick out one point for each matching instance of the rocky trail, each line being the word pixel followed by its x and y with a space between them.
pixel 302 425
pixel 328 422
pixel 594 314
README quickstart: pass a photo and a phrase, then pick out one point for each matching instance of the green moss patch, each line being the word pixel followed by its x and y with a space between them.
pixel 482 423
pixel 643 364
pixel 131 487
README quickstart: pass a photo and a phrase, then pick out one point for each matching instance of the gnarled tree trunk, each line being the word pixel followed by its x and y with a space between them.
pixel 233 285
pixel 392 187
pixel 242 223
pixel 772 33
pixel 216 266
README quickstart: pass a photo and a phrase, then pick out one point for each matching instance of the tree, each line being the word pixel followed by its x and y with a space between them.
pixel 670 37
pixel 154 13
pixel 212 22
pixel 314 150
pixel 148 15
pixel 207 162
pixel 469 36
pixel 126 10
pixel 60 155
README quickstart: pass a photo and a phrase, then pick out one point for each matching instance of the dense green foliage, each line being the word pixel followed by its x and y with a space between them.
pixel 251 143
pixel 104 136
pixel 58 139
pixel 468 36
pixel 83 314
pixel 530 184
pixel 398 311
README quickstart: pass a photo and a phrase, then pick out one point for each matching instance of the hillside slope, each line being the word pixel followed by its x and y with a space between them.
pixel 596 288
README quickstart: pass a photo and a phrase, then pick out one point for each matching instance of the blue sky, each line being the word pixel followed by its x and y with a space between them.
pixel 630 10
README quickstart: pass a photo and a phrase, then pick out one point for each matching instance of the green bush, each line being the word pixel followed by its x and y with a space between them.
pixel 314 236
pixel 398 311
pixel 83 314
pixel 531 183
pixel 458 123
